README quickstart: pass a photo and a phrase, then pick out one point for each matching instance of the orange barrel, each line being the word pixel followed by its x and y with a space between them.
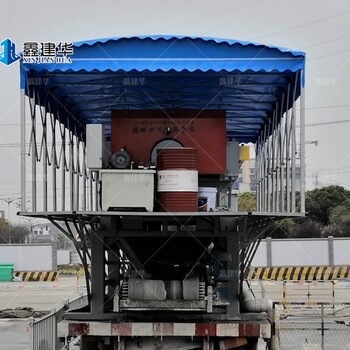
pixel 177 186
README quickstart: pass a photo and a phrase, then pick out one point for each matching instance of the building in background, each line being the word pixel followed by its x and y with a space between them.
pixel 246 181
pixel 247 177
pixel 43 233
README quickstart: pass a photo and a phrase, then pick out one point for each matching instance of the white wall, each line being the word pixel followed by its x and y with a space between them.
pixel 75 259
pixel 302 252
pixel 342 251
pixel 27 257
pixel 299 252
pixel 63 257
pixel 260 258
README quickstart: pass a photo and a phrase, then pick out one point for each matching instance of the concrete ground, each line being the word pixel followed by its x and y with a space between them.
pixel 44 296
pixel 41 296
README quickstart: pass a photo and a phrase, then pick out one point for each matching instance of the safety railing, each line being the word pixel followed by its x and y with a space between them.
pixel 308 291
pixel 291 293
pixel 78 303
pixel 302 326
pixel 43 331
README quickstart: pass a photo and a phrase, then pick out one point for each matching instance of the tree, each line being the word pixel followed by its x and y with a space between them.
pixel 12 233
pixel 19 233
pixel 320 202
pixel 62 241
pixel 340 217
pixel 246 201
pixel 283 228
pixel 308 229
pixel 332 230
pixel 3 231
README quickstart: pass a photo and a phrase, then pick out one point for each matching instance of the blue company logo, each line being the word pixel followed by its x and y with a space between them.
pixel 8 52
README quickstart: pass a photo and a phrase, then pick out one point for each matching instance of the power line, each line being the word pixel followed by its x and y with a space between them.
pixel 215 14
pixel 325 41
pixel 325 107
pixel 327 123
pixel 17 124
pixel 330 54
pixel 303 25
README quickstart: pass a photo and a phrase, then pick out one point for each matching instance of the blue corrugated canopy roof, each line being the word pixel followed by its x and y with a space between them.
pixel 248 80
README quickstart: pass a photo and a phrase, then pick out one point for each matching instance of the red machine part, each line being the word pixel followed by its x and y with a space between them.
pixel 140 130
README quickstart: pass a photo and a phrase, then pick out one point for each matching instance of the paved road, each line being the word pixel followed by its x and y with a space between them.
pixel 42 296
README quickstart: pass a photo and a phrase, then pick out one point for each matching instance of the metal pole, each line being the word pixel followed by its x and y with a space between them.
pixel 265 159
pixel 45 157
pixel 77 173
pixel 63 171
pixel 97 191
pixel 284 156
pixel 287 159
pixel 284 292
pixel 91 192
pixel 302 145
pixel 23 152
pixel 71 171
pixel 270 152
pixel 274 159
pixel 84 177
pixel 262 179
pixel 54 161
pixel 34 159
pixel 293 147
pixel 260 174
pixel 31 321
pixel 322 326
pixel 274 330
pixel 257 175
pixel 53 330
pixel 279 163
pixel 9 209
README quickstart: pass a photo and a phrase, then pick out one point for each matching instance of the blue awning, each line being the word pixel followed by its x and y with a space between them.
pixel 248 80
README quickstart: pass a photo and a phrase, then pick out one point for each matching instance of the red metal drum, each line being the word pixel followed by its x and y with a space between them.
pixel 177 187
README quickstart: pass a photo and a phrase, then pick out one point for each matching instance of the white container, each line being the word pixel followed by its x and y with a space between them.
pixel 206 198
pixel 129 188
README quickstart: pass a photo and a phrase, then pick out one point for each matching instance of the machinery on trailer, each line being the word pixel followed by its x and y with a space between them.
pixel 139 142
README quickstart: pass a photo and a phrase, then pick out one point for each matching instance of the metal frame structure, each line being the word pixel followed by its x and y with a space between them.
pixel 106 234
pixel 277 157
pixel 57 141
pixel 259 87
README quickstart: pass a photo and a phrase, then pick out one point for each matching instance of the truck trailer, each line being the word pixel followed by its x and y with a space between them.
pixel 134 146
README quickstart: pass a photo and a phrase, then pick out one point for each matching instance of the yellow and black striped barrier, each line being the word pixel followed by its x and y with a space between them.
pixel 299 273
pixel 37 276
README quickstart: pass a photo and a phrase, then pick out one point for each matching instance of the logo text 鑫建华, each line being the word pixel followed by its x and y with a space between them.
pixel 47 52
